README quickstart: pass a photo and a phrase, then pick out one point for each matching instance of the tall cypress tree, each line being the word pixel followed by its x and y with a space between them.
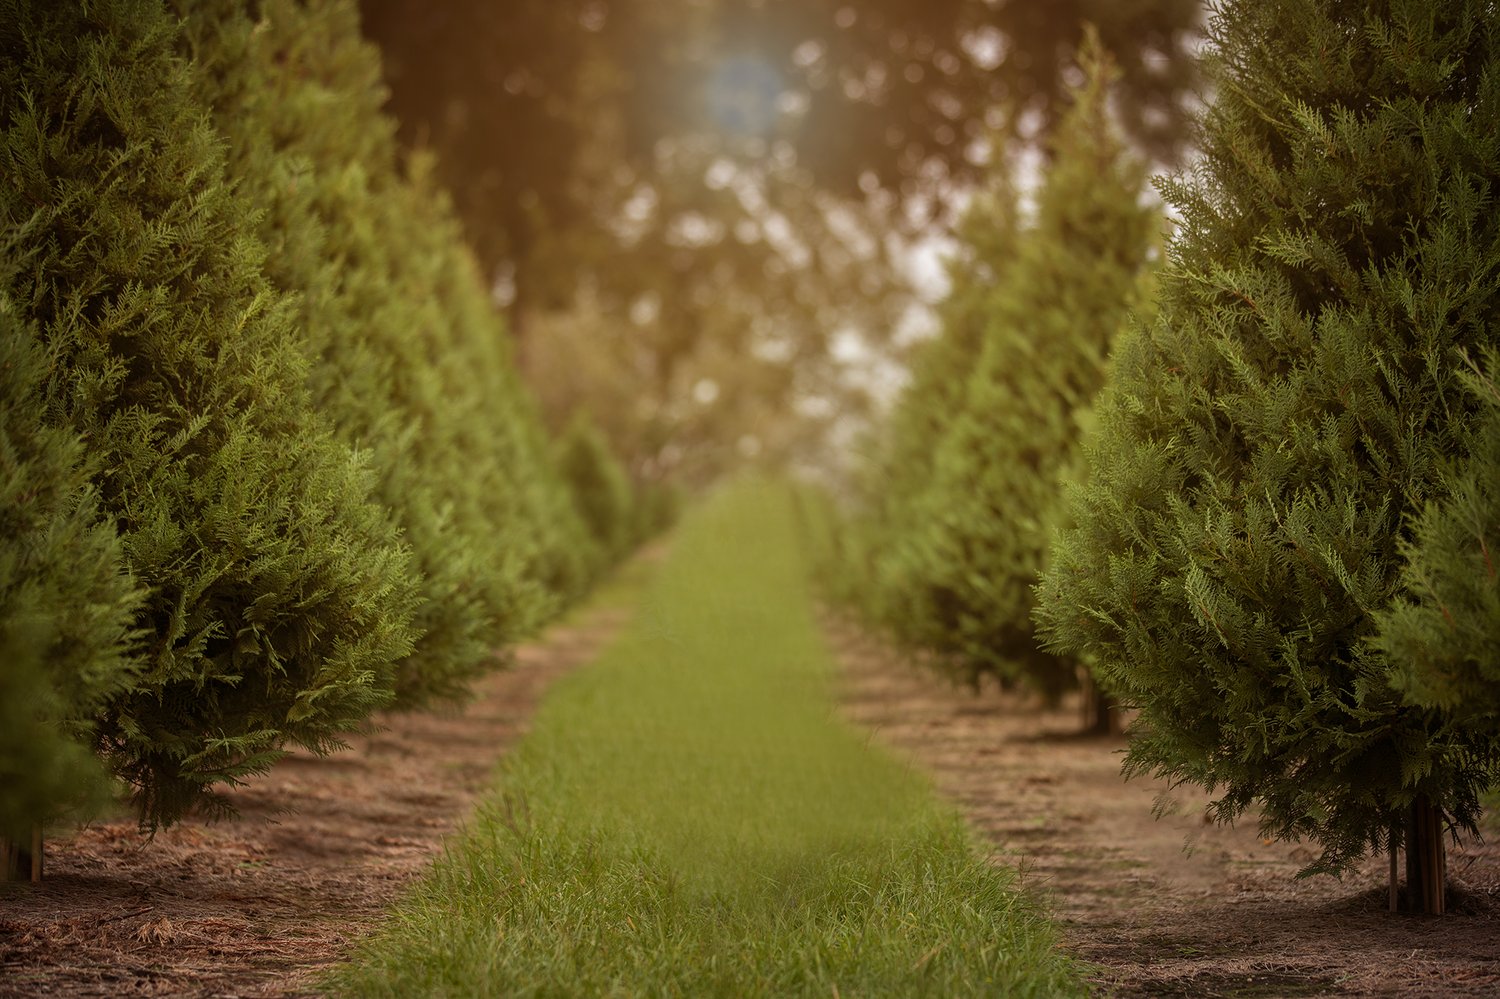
pixel 1442 636
pixel 403 372
pixel 1265 438
pixel 66 605
pixel 522 487
pixel 998 471
pixel 519 494
pixel 598 485
pixel 277 594
pixel 881 540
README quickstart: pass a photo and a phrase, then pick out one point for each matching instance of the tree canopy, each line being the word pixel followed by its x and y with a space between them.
pixel 1264 441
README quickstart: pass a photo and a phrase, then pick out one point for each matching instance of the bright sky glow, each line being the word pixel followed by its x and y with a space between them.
pixel 743 95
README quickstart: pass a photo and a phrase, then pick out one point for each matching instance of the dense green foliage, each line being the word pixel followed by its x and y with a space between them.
pixel 599 486
pixel 1443 639
pixel 410 371
pixel 1265 439
pixel 278 595
pixel 263 358
pixel 500 438
pixel 878 549
pixel 688 816
pixel 977 538
pixel 65 604
pixel 969 476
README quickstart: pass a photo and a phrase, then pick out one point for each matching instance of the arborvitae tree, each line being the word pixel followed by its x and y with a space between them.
pixel 403 373
pixel 880 538
pixel 600 488
pixel 278 596
pixel 66 605
pixel 996 480
pixel 522 487
pixel 1442 638
pixel 654 506
pixel 1265 438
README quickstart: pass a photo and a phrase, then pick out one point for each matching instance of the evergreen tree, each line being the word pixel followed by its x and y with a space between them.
pixel 880 541
pixel 65 604
pixel 654 506
pixel 996 479
pixel 1442 638
pixel 522 487
pixel 277 595
pixel 599 486
pixel 404 372
pixel 1265 438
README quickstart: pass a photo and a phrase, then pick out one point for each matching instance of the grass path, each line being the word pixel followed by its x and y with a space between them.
pixel 689 817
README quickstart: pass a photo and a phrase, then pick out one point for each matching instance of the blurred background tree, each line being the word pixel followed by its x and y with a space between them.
pixel 734 186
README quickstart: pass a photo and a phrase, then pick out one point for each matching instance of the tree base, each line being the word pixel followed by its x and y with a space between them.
pixel 22 861
pixel 1101 716
pixel 1426 859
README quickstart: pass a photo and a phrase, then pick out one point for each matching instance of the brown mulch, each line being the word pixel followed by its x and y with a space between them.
pixel 259 904
pixel 1176 906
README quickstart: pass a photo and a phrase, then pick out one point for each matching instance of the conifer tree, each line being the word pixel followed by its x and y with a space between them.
pixel 66 605
pixel 599 486
pixel 523 486
pixel 404 372
pixel 998 471
pixel 1442 637
pixel 880 541
pixel 278 596
pixel 1265 437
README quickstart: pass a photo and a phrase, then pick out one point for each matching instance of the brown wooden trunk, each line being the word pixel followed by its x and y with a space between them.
pixel 1391 883
pixel 1426 858
pixel 22 861
pixel 1100 715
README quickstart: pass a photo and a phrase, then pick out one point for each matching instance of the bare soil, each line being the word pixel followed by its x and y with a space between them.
pixel 259 904
pixel 1175 906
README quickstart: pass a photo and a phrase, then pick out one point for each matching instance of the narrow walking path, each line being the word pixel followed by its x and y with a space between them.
pixel 1173 906
pixel 689 816
pixel 260 904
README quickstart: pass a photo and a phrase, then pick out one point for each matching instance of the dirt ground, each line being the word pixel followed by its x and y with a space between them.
pixel 257 905
pixel 1170 907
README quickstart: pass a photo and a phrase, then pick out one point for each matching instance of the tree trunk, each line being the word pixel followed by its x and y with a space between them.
pixel 1391 884
pixel 1100 715
pixel 1426 861
pixel 20 861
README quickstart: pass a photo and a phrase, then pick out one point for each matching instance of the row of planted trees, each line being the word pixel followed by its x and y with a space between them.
pixel 265 463
pixel 1252 492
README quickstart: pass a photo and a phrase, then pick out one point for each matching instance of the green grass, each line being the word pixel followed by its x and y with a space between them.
pixel 689 817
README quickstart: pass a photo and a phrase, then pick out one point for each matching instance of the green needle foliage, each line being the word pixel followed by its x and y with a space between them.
pixel 1443 639
pixel 526 487
pixel 1266 437
pixel 996 479
pixel 66 606
pixel 599 486
pixel 278 596
pixel 688 816
pixel 406 373
pixel 879 548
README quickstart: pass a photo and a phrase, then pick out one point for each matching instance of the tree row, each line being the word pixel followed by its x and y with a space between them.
pixel 265 462
pixel 1250 492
